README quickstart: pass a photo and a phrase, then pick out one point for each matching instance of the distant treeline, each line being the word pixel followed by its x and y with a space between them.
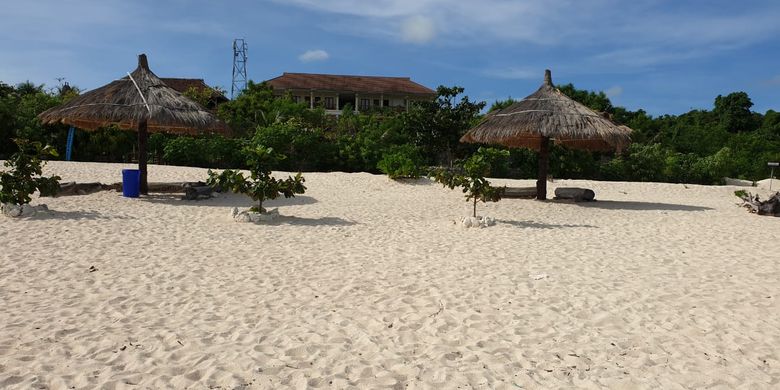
pixel 701 146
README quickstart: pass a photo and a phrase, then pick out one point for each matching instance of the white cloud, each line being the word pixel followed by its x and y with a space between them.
pixel 638 34
pixel 418 29
pixel 314 55
pixel 614 92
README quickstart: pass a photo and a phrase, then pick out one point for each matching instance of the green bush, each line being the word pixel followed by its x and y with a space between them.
pixel 497 159
pixel 306 149
pixel 186 151
pixel 222 152
pixel 401 162
pixel 24 178
pixel 260 185
pixel 207 152
pixel 470 176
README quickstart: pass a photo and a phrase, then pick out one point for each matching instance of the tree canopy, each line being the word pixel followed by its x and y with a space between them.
pixel 700 146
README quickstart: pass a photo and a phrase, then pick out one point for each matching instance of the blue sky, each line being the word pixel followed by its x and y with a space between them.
pixel 666 57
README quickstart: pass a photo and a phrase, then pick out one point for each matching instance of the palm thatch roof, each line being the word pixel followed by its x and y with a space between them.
pixel 139 97
pixel 549 114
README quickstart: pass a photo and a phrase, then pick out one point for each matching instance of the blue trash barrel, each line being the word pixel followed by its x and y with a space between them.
pixel 131 183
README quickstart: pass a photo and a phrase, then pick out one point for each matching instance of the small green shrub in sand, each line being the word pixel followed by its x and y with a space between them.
pixel 470 176
pixel 24 177
pixel 260 185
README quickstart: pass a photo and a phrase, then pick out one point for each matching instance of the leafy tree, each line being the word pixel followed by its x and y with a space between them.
pixel 770 126
pixel 362 140
pixel 25 174
pixel 260 185
pixel 403 161
pixel 501 104
pixel 597 101
pixel 734 113
pixel 471 177
pixel 8 102
pixel 306 149
pixel 19 107
pixel 436 126
pixel 204 96
pixel 208 151
pixel 257 106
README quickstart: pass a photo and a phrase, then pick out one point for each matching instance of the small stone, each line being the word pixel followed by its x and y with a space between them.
pixel 11 210
pixel 466 222
pixel 242 217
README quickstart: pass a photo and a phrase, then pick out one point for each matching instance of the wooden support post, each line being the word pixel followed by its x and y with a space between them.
pixel 357 102
pixel 544 162
pixel 143 138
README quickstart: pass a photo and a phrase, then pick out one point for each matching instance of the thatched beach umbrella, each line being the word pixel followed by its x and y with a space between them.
pixel 546 115
pixel 139 101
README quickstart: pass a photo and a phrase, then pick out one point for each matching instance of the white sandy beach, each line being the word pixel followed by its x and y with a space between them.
pixel 368 283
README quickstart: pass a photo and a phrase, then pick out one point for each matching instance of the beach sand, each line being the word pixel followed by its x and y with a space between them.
pixel 368 283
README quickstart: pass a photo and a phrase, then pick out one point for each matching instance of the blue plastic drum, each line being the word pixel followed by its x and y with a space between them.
pixel 131 183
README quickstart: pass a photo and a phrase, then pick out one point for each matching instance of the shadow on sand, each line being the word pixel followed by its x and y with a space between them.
pixel 227 200
pixel 422 181
pixel 76 215
pixel 640 206
pixel 300 221
pixel 540 225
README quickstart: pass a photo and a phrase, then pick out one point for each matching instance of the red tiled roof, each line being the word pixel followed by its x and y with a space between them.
pixel 339 83
pixel 182 85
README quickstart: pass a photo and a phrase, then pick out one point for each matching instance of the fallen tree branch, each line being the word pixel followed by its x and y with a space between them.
pixel 755 205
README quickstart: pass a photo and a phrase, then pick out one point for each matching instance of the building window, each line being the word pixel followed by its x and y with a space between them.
pixel 365 104
pixel 297 99
pixel 330 103
pixel 376 102
pixel 386 103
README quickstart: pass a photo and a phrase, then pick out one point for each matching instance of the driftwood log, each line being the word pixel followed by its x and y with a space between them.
pixel 72 188
pixel 194 192
pixel 196 189
pixel 752 202
pixel 574 193
pixel 519 193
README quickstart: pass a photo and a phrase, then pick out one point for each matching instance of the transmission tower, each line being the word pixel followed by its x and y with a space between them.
pixel 239 67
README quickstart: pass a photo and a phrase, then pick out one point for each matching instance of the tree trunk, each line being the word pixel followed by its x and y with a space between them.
pixel 143 138
pixel 475 207
pixel 544 162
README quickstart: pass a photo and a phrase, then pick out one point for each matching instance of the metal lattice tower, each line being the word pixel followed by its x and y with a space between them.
pixel 239 67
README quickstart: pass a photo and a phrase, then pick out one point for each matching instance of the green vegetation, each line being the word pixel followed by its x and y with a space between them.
pixel 260 185
pixel 401 162
pixel 701 146
pixel 24 177
pixel 470 176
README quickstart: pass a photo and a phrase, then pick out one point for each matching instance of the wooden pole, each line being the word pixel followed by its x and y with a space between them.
pixel 544 162
pixel 143 137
